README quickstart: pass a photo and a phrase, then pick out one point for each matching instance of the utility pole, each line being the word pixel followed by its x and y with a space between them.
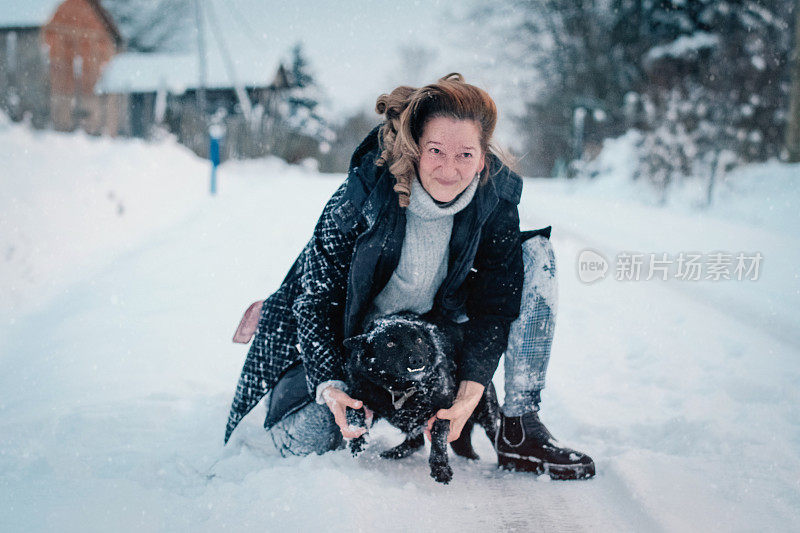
pixel 201 60
pixel 213 142
pixel 238 88
pixel 793 122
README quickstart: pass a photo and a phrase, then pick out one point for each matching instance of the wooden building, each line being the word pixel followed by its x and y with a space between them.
pixel 81 39
pixel 160 91
pixel 51 55
pixel 66 64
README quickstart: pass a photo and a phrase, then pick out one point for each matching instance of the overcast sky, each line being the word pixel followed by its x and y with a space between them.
pixel 354 45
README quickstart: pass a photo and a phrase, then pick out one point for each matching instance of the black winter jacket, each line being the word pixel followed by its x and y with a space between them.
pixel 352 254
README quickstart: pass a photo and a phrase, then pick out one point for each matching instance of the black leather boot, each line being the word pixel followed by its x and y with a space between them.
pixel 523 443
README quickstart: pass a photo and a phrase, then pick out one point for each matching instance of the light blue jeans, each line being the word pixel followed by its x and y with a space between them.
pixel 531 334
pixel 313 430
pixel 308 430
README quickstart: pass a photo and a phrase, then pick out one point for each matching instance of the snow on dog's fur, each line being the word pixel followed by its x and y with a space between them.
pixel 403 368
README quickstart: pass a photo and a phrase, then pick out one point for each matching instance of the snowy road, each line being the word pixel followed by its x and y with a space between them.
pixel 114 389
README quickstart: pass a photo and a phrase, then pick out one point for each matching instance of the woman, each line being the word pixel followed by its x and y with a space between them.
pixel 426 220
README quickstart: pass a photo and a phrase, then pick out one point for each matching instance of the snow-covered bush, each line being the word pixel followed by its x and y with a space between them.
pixel 717 90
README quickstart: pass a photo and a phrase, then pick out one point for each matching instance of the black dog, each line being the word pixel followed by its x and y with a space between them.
pixel 403 368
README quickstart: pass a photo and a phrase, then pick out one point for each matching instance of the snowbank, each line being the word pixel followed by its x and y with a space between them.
pixel 72 202
pixel 761 194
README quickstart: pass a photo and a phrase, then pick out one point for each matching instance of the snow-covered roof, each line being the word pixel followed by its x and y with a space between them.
pixel 26 13
pixel 166 61
pixel 135 72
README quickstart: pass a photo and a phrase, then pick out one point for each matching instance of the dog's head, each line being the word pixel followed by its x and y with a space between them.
pixel 397 351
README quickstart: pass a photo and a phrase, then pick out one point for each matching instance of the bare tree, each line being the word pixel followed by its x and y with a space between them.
pixel 155 25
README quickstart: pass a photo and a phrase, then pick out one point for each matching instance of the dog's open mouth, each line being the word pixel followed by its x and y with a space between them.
pixel 420 369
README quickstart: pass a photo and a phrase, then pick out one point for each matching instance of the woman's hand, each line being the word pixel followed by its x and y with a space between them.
pixel 338 401
pixel 467 399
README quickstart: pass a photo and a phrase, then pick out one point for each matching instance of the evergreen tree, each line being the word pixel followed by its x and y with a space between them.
pixel 793 126
pixel 303 111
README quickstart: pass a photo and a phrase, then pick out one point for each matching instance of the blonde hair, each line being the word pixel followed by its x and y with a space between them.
pixel 408 109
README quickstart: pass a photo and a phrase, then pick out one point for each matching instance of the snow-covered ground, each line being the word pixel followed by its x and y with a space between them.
pixel 122 283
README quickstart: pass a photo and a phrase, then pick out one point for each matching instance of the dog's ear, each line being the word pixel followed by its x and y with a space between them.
pixel 357 342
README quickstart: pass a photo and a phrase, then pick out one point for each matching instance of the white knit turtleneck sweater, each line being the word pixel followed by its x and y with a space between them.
pixel 423 258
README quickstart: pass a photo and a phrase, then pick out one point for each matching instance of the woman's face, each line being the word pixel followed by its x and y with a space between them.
pixel 450 156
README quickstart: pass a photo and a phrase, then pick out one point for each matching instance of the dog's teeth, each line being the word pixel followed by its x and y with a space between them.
pixel 420 369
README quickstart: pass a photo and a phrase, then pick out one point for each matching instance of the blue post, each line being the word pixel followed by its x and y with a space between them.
pixel 213 155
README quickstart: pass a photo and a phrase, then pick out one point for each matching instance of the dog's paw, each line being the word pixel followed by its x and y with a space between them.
pixel 464 450
pixel 394 453
pixel 404 449
pixel 356 417
pixel 442 473
pixel 398 452
pixel 357 445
